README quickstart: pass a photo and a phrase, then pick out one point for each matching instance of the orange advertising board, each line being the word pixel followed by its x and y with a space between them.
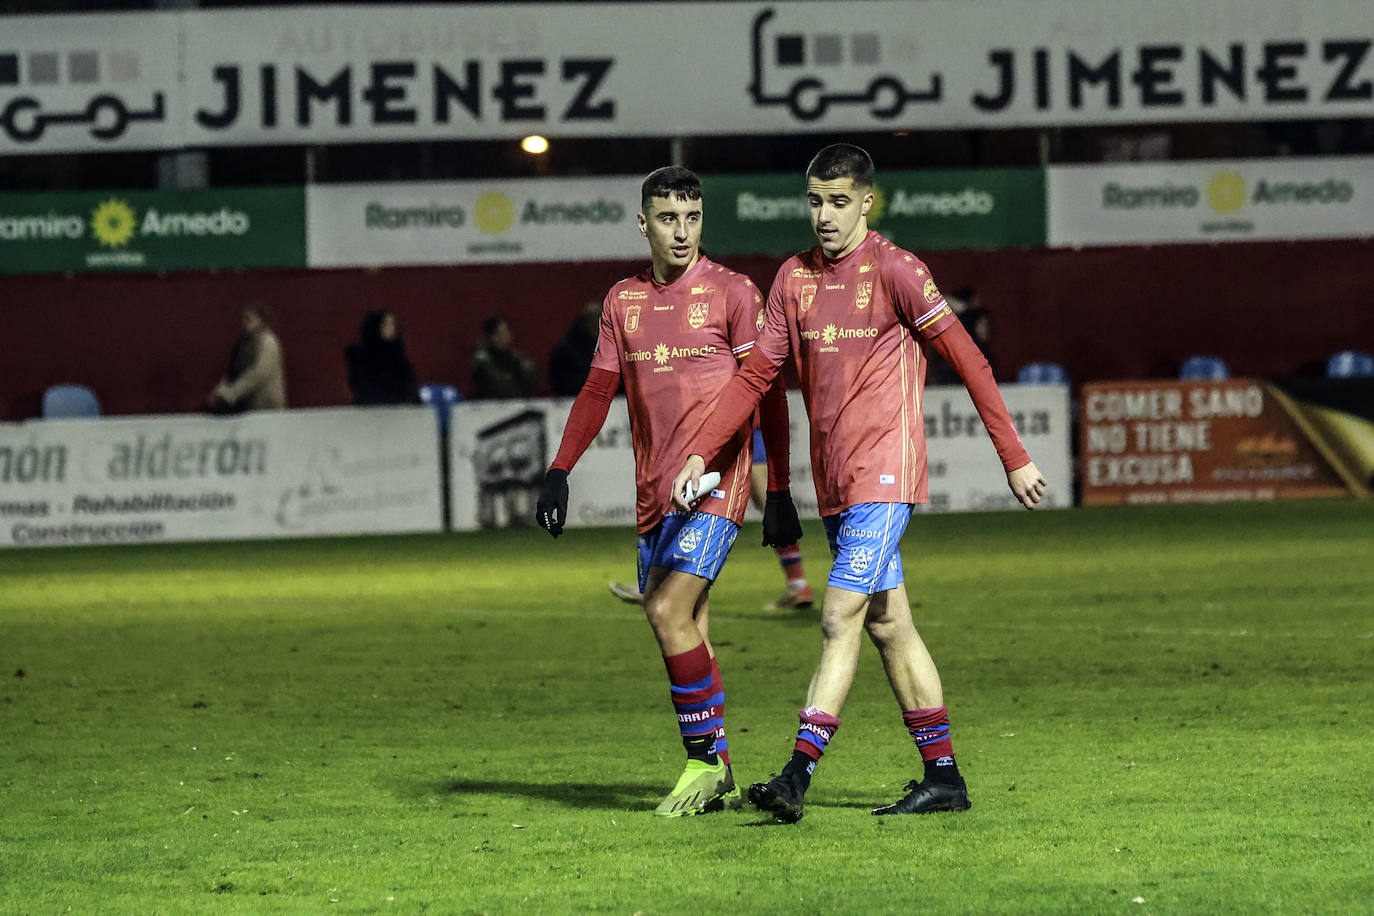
pixel 1146 442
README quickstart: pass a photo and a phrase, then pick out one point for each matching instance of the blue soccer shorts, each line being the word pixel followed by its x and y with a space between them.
pixel 691 542
pixel 760 455
pixel 864 541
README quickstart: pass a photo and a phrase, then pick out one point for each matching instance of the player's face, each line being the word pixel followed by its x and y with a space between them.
pixel 839 214
pixel 673 227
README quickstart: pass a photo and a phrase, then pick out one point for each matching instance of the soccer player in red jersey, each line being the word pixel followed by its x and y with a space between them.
pixel 675 334
pixel 859 316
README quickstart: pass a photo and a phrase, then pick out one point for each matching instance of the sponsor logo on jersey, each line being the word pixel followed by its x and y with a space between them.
pixel 833 332
pixel 865 268
pixel 887 478
pixel 930 291
pixel 663 355
pixel 632 318
pixel 758 322
pixel 806 273
pixel 808 295
pixel 864 294
pixel 632 294
pixel 697 313
pixel 701 291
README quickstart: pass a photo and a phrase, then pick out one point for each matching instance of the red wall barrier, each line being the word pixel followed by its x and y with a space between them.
pixel 158 344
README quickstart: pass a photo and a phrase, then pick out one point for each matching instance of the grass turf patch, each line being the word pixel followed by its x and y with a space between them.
pixel 1166 705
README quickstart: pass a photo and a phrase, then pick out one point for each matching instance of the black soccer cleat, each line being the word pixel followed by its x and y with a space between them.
pixel 925 797
pixel 779 797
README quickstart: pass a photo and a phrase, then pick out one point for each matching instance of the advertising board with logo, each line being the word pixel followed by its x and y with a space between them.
pixel 499 451
pixel 458 222
pixel 1213 201
pixel 350 73
pixel 937 209
pixel 152 230
pixel 1205 441
pixel 256 475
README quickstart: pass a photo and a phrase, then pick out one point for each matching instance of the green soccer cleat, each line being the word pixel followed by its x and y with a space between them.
pixel 700 789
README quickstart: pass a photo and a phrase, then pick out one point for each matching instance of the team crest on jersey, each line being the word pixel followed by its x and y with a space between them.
pixel 631 319
pixel 690 540
pixel 930 291
pixel 696 314
pixel 808 295
pixel 864 294
pixel 758 322
pixel 862 559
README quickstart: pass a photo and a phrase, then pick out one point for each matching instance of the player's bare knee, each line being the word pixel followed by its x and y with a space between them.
pixel 885 629
pixel 660 610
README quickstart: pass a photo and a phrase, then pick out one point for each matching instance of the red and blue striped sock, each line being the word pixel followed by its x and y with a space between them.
pixel 693 689
pixel 813 737
pixel 929 728
pixel 718 694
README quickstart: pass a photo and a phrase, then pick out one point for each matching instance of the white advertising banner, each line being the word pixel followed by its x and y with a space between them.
pixel 184 478
pixel 348 74
pixel 965 472
pixel 1212 201
pixel 500 450
pixel 568 219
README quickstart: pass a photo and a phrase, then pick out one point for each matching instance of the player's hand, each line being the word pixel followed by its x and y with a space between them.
pixel 552 509
pixel 691 473
pixel 1027 484
pixel 781 527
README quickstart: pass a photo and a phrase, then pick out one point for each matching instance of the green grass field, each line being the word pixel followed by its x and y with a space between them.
pixel 1165 710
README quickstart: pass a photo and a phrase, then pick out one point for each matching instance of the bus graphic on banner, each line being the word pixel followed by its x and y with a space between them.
pixel 828 69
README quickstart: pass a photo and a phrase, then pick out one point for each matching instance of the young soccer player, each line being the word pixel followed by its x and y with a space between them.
pixel 859 316
pixel 675 333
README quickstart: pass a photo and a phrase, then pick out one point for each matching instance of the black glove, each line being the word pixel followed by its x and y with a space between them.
pixel 781 527
pixel 552 509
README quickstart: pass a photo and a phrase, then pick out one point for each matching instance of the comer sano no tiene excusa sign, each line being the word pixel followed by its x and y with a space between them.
pixel 1207 441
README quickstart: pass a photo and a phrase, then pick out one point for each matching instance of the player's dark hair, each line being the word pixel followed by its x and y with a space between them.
pixel 842 160
pixel 670 181
pixel 493 322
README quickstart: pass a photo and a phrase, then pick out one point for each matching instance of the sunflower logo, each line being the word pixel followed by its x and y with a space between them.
pixel 1226 192
pixel 113 223
pixel 495 212
pixel 829 333
pixel 661 354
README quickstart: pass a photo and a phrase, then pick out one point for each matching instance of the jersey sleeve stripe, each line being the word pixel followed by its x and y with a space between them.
pixel 932 316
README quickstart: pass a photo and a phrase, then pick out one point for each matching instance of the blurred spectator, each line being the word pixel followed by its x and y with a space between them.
pixel 572 356
pixel 977 322
pixel 498 369
pixel 379 372
pixel 255 379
